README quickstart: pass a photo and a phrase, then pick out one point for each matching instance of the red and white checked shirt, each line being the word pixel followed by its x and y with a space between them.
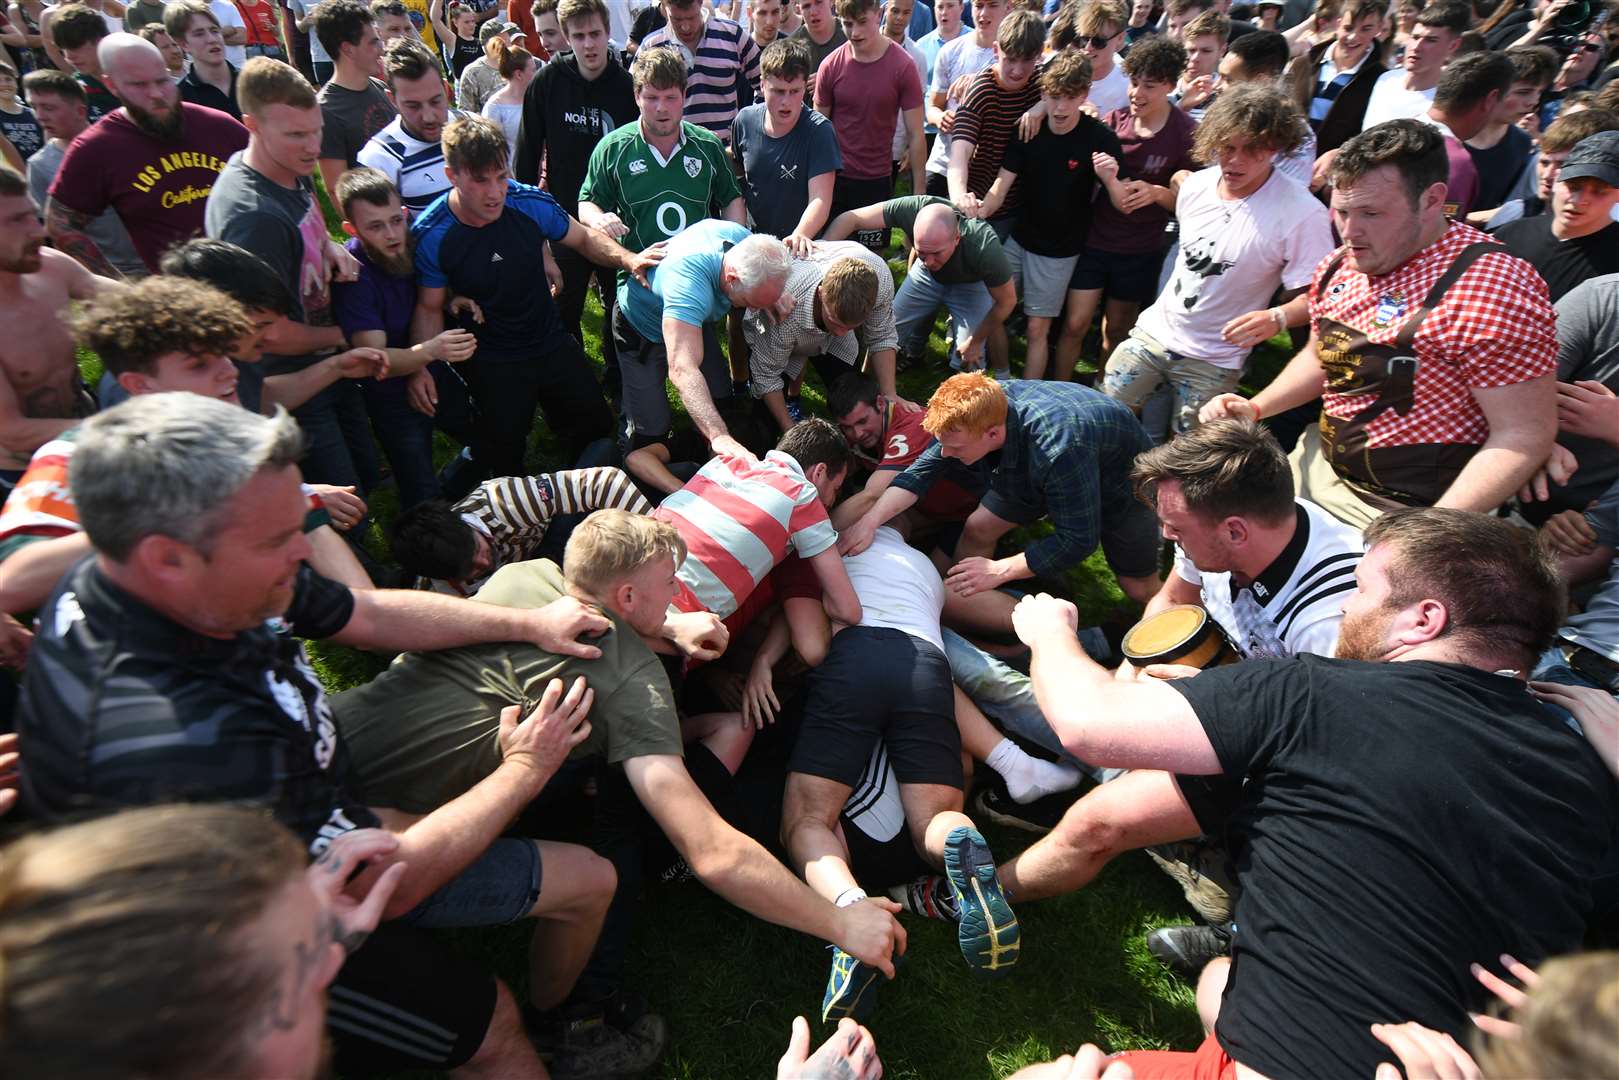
pixel 1494 327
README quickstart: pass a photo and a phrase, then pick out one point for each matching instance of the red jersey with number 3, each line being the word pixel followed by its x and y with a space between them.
pixel 904 440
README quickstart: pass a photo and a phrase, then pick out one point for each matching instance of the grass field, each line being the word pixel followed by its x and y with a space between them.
pixel 730 984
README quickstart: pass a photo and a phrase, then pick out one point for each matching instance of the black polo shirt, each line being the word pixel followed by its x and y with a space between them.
pixel 123 707
pixel 206 94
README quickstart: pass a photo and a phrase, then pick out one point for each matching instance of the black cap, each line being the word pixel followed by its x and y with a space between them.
pixel 1595 156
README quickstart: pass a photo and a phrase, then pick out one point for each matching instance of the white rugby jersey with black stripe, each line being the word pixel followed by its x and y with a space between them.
pixel 514 513
pixel 1295 605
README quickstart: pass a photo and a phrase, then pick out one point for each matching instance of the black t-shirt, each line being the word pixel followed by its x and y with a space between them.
pixel 1563 263
pixel 564 116
pixel 1398 822
pixel 1500 166
pixel 1059 186
pixel 122 707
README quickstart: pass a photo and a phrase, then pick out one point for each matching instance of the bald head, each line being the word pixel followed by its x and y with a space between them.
pixel 936 234
pixel 121 50
pixel 135 70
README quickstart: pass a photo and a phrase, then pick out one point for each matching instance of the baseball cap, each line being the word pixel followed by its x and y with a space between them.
pixel 493 27
pixel 1596 156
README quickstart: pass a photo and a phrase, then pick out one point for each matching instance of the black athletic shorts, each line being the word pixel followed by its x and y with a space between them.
pixel 1132 277
pixel 877 683
pixel 406 1001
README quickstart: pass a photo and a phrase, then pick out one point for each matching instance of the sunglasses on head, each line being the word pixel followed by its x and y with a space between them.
pixel 1099 41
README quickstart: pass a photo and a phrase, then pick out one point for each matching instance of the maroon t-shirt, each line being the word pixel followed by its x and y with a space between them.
pixel 865 102
pixel 1154 158
pixel 158 188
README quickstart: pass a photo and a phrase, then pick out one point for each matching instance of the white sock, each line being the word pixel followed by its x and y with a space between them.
pixel 852 895
pixel 1029 778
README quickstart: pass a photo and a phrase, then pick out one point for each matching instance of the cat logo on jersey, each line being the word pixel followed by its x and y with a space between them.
pixel 693 165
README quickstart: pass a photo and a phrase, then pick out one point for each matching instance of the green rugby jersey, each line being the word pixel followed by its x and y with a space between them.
pixel 656 199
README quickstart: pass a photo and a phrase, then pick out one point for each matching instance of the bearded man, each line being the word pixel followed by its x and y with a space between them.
pixel 41 394
pixel 1357 794
pixel 153 161
pixel 375 310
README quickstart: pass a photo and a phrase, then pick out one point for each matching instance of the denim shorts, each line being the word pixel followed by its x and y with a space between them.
pixel 501 886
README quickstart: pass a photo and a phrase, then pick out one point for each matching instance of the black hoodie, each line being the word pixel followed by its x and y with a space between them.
pixel 564 117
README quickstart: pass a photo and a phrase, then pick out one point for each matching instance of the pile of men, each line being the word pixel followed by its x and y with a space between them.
pixel 801 658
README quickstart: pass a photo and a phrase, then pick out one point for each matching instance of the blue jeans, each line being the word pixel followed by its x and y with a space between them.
pixel 1007 696
pixel 339 449
pixel 406 437
pixel 920 296
pixel 1553 667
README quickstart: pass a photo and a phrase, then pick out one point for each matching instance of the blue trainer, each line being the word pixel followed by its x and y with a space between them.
pixel 987 929
pixel 851 989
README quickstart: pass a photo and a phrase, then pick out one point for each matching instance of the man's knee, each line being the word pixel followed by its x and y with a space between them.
pixel 807 806
pixel 584 883
pixel 1088 832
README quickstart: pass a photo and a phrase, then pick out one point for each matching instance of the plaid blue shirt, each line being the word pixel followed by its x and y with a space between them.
pixel 1067 456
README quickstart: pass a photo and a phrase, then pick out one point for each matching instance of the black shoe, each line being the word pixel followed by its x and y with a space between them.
pixel 1187 950
pixel 1040 816
pixel 615 1038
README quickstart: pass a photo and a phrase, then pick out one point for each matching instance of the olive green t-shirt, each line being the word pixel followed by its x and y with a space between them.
pixel 979 256
pixel 426 730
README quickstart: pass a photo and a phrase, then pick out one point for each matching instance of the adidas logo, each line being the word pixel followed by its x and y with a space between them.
pixel 496 258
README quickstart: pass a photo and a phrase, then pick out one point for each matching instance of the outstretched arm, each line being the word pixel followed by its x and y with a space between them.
pixel 1144 724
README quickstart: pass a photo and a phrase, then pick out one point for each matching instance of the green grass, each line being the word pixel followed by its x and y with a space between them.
pixel 730 984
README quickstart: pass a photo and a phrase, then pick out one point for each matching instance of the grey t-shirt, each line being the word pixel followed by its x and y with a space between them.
pixel 351 117
pixel 276 223
pixel 776 172
pixel 1597 627
pixel 107 229
pixel 819 52
pixel 1588 348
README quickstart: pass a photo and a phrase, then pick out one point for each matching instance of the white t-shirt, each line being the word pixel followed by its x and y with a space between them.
pixel 1296 605
pixel 229 16
pixel 1112 92
pixel 1390 100
pixel 960 56
pixel 898 587
pixel 304 9
pixel 1300 164
pixel 1233 255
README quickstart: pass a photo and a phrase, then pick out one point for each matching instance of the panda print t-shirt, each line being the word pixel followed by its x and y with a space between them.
pixel 1234 254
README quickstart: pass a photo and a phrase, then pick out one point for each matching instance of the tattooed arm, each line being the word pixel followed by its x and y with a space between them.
pixel 351 919
pixel 66 230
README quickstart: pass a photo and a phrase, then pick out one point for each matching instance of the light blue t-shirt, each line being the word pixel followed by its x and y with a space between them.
pixel 686 284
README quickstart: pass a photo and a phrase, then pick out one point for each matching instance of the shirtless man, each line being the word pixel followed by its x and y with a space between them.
pixel 41 394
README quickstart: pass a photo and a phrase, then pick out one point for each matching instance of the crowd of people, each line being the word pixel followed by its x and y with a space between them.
pixel 652 619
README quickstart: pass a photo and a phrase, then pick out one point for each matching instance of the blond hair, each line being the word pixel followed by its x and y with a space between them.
pixel 1260 114
pixel 849 290
pixel 1568 1023
pixel 610 545
pixel 127 944
pixel 660 68
pixel 1096 15
pixel 264 82
pixel 475 144
pixel 970 402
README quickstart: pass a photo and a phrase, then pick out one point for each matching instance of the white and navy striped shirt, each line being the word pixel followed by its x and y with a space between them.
pixel 1295 605
pixel 415 167
pixel 726 58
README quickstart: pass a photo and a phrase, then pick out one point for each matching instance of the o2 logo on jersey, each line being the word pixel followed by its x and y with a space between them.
pixel 898 446
pixel 665 212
